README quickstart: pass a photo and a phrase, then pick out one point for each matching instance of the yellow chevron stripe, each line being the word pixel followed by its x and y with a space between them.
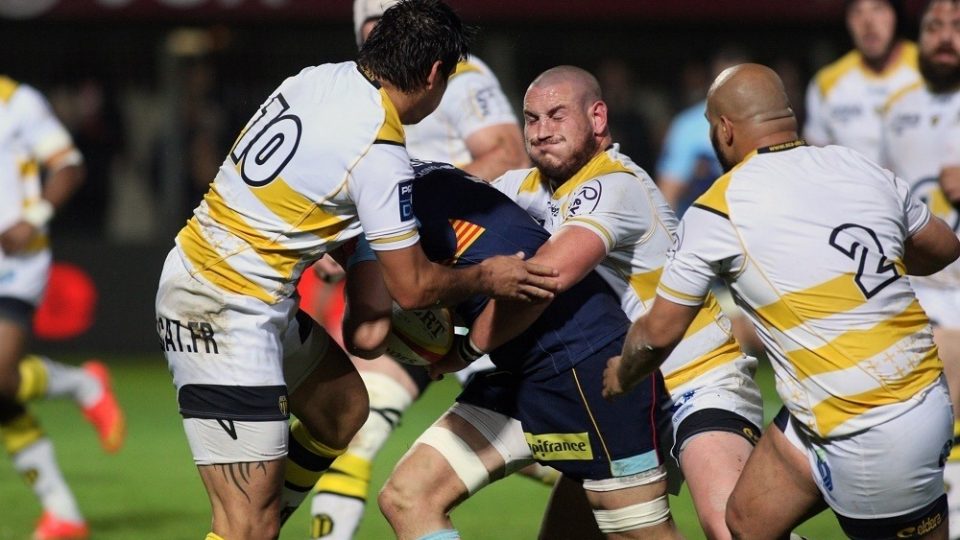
pixel 298 211
pixel 854 346
pixel 207 262
pixel 838 295
pixel 600 165
pixel 709 313
pixel 834 411
pixel 532 182
pixel 644 284
pixel 7 88
pixel 392 129
pixel 724 354
pixel 278 257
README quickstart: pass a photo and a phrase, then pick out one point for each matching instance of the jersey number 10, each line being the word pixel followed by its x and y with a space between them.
pixel 267 143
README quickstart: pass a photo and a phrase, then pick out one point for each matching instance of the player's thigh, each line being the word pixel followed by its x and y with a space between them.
pixel 24 280
pixel 775 490
pixel 15 319
pixel 244 497
pixel 711 463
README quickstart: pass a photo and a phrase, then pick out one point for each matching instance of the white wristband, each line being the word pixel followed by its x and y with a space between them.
pixel 38 214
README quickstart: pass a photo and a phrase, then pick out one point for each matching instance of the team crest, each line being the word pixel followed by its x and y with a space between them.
pixel 284 407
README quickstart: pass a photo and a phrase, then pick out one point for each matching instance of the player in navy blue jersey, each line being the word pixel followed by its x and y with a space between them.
pixel 543 402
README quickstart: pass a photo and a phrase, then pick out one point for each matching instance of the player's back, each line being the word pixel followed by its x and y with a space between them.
pixel 464 221
pixel 287 191
pixel 821 236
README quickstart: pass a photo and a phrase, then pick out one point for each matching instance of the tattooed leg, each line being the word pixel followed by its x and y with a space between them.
pixel 245 498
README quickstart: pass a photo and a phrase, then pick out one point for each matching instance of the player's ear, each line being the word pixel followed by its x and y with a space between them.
pixel 436 73
pixel 726 130
pixel 598 115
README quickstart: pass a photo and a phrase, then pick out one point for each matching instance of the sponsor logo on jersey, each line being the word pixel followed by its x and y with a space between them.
pixel 845 113
pixel 904 121
pixel 586 199
pixel 560 446
pixel 405 190
pixel 187 336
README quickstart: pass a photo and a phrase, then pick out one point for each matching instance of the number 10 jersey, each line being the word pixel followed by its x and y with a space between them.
pixel 322 158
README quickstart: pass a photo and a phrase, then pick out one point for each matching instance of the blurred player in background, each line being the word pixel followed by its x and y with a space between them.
pixel 866 424
pixel 294 187
pixel 39 170
pixel 922 146
pixel 475 129
pixel 845 98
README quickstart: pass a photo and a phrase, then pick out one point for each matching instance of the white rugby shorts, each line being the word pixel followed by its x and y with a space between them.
pixel 25 277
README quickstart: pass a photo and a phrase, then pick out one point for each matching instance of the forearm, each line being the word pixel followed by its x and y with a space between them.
pixel 441 285
pixel 62 184
pixel 639 357
pixel 502 321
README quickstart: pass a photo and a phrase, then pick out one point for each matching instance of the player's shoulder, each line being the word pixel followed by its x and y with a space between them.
pixel 471 65
pixel 831 74
pixel 8 87
pixel 906 96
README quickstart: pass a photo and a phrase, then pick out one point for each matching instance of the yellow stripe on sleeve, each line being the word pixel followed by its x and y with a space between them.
pixel 392 239
pixel 680 295
pixel 594 225
pixel 532 182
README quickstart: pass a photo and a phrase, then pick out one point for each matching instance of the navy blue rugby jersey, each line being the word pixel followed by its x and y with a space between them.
pixel 463 221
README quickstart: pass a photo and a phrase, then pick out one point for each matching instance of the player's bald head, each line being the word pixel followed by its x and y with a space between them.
pixel 749 93
pixel 581 83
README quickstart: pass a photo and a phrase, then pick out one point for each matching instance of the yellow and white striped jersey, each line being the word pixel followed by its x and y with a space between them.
pixel 845 98
pixel 920 132
pixel 322 157
pixel 473 101
pixel 30 135
pixel 616 199
pixel 810 241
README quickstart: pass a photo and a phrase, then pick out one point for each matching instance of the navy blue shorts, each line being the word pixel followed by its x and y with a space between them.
pixel 570 426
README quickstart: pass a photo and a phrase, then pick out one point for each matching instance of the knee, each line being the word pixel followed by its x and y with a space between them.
pixel 350 420
pixel 399 501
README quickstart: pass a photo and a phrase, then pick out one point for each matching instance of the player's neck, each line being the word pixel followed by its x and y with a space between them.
pixel 880 63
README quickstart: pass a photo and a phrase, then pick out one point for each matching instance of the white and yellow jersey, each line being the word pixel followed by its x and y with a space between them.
pixel 473 101
pixel 920 133
pixel 845 98
pixel 811 242
pixel 321 158
pixel 30 135
pixel 616 199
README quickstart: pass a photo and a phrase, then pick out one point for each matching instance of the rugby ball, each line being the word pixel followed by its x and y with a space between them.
pixel 420 337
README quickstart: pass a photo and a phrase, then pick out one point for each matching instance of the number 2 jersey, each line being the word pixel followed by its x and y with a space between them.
pixel 614 198
pixel 321 158
pixel 810 241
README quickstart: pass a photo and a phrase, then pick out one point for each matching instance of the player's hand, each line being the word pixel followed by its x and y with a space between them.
pixel 328 270
pixel 611 378
pixel 17 238
pixel 512 278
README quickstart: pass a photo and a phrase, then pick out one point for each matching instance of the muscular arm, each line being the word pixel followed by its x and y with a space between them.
pixel 648 343
pixel 931 249
pixel 495 150
pixel 416 282
pixel 574 251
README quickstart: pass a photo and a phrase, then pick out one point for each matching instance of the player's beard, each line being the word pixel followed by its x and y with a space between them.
pixel 725 164
pixel 941 78
pixel 561 172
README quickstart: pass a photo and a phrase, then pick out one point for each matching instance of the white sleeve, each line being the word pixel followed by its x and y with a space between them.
pixel 615 206
pixel 816 128
pixel 381 186
pixel 916 214
pixel 39 128
pixel 706 246
pixel 474 101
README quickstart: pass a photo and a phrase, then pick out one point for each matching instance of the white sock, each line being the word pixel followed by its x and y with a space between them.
pixel 38 464
pixel 64 380
pixel 335 517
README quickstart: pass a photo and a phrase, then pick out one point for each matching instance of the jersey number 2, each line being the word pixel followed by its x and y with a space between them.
pixel 267 144
pixel 875 271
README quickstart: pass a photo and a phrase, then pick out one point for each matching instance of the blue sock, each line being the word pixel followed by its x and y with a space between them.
pixel 445 534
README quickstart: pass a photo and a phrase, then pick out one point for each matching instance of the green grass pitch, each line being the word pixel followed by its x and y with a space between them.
pixel 151 491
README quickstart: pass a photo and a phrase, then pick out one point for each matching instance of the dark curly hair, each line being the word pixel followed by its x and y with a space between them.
pixel 409 38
